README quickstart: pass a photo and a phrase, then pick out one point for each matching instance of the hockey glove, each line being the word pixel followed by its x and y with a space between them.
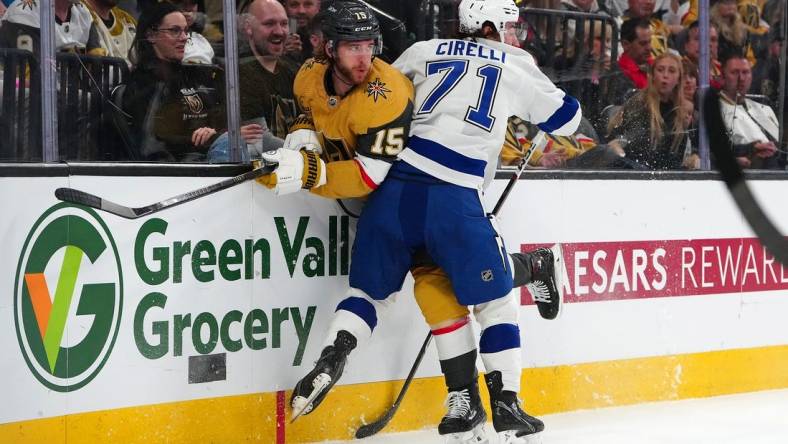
pixel 296 170
pixel 302 139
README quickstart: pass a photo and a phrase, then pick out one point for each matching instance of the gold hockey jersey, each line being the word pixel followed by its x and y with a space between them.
pixel 369 124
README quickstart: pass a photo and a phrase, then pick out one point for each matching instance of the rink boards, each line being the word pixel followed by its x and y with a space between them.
pixel 191 325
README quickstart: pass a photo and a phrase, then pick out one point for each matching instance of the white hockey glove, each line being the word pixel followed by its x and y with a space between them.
pixel 296 170
pixel 302 139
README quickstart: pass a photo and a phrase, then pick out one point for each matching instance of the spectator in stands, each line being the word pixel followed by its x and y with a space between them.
pixel 266 78
pixel 660 32
pixel 636 40
pixel 690 86
pixel 734 35
pixel 691 52
pixel 752 126
pixel 298 46
pixel 653 123
pixel 766 74
pixel 198 50
pixel 74 29
pixel 590 6
pixel 116 27
pixel 315 30
pixel 176 113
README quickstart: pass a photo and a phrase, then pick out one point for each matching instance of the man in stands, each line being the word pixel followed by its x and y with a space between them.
pixel 636 40
pixel 266 78
pixel 753 127
pixel 644 10
pixel 299 47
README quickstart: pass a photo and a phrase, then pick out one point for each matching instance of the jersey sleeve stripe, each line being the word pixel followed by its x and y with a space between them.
pixel 365 177
pixel 446 157
pixel 563 115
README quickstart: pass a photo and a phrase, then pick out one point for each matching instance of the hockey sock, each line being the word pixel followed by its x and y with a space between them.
pixel 521 269
pixel 499 345
pixel 356 314
pixel 457 353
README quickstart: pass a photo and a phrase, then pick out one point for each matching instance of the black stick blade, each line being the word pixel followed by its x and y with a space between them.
pixel 78 197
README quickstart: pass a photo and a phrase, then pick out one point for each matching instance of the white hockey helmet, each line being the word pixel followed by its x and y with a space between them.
pixel 474 13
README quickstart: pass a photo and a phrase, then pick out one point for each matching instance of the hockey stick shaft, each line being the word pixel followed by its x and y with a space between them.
pixel 82 198
pixel 536 144
pixel 731 173
pixel 377 425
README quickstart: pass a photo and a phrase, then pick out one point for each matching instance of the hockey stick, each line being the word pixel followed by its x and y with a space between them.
pixel 82 198
pixel 536 143
pixel 378 425
pixel 732 175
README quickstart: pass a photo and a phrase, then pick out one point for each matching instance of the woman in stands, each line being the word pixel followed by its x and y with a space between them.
pixel 654 122
pixel 174 112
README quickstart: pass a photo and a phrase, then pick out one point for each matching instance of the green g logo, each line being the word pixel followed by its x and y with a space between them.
pixel 68 297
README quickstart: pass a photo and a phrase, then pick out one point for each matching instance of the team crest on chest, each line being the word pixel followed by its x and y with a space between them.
pixel 28 4
pixel 377 88
pixel 193 100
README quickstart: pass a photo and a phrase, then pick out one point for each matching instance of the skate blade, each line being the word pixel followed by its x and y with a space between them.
pixel 558 276
pixel 477 435
pixel 301 405
pixel 510 437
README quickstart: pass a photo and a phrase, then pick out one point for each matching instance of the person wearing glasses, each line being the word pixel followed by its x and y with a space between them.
pixel 172 113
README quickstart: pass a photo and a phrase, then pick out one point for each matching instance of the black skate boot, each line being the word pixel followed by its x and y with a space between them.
pixel 511 423
pixel 545 285
pixel 464 422
pixel 312 388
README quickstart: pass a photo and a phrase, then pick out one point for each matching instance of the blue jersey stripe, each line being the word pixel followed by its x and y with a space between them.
pixel 446 157
pixel 561 116
pixel 499 337
pixel 361 308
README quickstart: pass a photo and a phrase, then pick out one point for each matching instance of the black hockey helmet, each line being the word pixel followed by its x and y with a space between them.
pixel 350 20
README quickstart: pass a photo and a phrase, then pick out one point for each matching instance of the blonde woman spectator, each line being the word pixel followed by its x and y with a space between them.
pixel 652 125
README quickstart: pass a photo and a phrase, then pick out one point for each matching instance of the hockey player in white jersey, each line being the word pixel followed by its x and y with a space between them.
pixel 465 90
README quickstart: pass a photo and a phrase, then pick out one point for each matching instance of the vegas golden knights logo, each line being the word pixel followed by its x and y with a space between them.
pixel 193 100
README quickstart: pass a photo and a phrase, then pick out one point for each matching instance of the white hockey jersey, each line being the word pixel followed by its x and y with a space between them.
pixel 73 34
pixel 465 92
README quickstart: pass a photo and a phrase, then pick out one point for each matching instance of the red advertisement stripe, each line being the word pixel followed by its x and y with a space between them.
pixel 280 417
pixel 601 271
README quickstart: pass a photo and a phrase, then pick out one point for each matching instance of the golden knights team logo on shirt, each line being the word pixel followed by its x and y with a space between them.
pixel 28 4
pixel 377 88
pixel 193 100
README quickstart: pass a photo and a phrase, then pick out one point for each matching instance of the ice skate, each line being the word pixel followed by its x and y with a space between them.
pixel 464 422
pixel 511 423
pixel 312 388
pixel 546 287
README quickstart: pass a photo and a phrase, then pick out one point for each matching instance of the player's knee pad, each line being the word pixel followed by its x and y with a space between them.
pixel 356 314
pixel 435 296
